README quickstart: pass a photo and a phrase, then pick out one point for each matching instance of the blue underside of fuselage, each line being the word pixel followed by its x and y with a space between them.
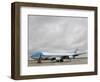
pixel 37 54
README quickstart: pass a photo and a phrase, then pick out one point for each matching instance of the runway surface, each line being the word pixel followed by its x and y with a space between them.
pixel 66 62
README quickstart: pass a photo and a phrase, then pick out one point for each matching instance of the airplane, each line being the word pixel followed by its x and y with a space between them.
pixel 54 56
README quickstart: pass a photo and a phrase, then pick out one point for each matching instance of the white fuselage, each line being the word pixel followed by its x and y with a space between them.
pixel 58 54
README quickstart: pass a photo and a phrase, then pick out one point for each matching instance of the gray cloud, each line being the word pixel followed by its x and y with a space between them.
pixel 52 33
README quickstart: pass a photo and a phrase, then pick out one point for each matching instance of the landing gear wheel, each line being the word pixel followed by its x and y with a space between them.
pixel 61 60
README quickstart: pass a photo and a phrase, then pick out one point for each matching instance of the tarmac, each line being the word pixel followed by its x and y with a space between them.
pixel 66 62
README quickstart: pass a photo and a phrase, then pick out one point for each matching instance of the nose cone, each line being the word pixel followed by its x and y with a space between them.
pixel 36 54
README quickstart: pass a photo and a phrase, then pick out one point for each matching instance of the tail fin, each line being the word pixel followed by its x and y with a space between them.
pixel 72 50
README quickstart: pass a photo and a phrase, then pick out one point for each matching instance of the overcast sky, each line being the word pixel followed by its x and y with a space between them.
pixel 55 33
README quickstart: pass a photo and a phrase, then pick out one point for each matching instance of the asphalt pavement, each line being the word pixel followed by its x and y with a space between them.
pixel 66 62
